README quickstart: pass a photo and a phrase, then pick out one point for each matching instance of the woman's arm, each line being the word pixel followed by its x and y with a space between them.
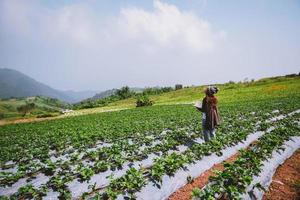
pixel 203 109
pixel 199 109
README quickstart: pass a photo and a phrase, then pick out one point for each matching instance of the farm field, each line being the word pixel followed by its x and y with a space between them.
pixel 271 87
pixel 149 100
pixel 43 107
pixel 149 153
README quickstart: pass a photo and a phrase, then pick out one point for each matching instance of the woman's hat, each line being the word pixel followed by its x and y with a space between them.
pixel 211 90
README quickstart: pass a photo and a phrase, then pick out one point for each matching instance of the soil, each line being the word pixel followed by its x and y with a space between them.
pixel 34 119
pixel 27 120
pixel 184 193
pixel 285 184
pixel 286 180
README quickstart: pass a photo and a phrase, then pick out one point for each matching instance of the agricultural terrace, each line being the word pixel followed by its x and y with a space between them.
pixel 137 152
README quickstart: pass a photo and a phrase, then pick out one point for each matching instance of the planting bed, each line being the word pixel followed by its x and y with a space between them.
pixel 251 173
pixel 145 153
pixel 285 183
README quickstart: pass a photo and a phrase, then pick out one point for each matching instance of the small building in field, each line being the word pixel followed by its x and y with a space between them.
pixel 178 86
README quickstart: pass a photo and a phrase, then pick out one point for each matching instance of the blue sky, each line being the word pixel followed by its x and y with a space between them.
pixel 99 45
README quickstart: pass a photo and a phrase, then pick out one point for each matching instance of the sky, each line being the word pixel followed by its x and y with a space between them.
pixel 99 45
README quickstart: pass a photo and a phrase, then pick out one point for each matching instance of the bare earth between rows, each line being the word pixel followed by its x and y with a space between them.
pixel 286 180
pixel 285 184
pixel 185 192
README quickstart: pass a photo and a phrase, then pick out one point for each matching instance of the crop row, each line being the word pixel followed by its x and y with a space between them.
pixel 23 142
pixel 169 164
pixel 85 158
pixel 102 158
pixel 65 174
pixel 233 181
pixel 117 151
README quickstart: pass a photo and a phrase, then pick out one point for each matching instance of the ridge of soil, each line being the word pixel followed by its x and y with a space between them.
pixel 285 184
pixel 185 192
pixel 286 180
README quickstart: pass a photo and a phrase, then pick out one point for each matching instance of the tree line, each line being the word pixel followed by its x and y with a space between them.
pixel 124 93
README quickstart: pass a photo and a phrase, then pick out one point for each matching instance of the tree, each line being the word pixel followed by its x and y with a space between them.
pixel 154 91
pixel 24 109
pixel 143 100
pixel 124 93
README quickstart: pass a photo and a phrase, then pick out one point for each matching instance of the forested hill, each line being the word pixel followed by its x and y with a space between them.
pixel 16 84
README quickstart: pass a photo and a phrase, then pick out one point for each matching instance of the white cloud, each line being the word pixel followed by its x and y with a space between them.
pixel 74 22
pixel 167 26
pixel 16 15
pixel 77 46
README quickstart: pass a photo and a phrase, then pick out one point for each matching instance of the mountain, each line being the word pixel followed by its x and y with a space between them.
pixel 104 94
pixel 80 95
pixel 110 92
pixel 16 84
pixel 137 89
pixel 107 93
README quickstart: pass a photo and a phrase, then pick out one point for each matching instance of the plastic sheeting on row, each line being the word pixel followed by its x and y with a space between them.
pixel 102 179
pixel 283 116
pixel 78 188
pixel 42 179
pixel 171 183
pixel 269 168
pixel 36 182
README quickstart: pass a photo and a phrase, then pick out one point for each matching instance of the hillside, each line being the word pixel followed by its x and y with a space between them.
pixel 230 93
pixel 104 94
pixel 163 145
pixel 44 106
pixel 78 96
pixel 110 92
pixel 16 84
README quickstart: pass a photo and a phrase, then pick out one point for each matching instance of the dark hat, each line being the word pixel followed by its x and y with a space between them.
pixel 211 90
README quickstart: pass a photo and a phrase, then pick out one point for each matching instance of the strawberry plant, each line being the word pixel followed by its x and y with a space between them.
pixel 80 147
pixel 128 184
pixel 85 173
pixel 233 181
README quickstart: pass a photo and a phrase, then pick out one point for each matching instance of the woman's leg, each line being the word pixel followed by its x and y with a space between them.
pixel 212 133
pixel 205 131
pixel 206 135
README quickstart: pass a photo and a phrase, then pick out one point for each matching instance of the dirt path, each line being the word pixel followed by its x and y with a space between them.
pixel 286 180
pixel 34 119
pixel 28 120
pixel 184 193
pixel 285 184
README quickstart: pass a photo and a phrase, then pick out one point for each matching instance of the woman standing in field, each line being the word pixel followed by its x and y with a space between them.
pixel 210 116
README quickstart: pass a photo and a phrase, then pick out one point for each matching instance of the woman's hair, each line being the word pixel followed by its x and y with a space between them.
pixel 211 100
pixel 211 90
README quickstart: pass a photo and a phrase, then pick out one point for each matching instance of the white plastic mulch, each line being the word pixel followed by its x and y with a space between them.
pixel 269 168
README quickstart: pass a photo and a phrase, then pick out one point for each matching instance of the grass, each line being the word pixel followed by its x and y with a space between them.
pixel 23 142
pixel 277 87
pixel 230 94
pixel 44 106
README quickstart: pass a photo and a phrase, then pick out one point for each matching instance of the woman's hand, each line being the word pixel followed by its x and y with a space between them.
pixel 199 109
